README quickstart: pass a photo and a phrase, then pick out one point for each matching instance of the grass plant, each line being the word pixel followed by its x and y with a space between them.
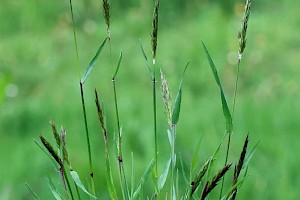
pixel 199 184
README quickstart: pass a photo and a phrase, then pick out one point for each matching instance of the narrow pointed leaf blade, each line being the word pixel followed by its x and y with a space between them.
pixel 118 66
pixel 162 179
pixel 143 179
pixel 145 57
pixel 196 154
pixel 53 190
pixel 93 62
pixel 226 111
pixel 78 182
pixel 109 179
pixel 177 105
pixel 32 192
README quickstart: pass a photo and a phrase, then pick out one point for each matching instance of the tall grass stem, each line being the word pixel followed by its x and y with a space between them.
pixel 87 138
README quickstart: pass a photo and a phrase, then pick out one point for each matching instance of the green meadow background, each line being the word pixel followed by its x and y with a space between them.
pixel 39 81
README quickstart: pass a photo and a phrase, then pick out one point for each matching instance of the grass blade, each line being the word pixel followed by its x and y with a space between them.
pixel 53 190
pixel 226 111
pixel 196 154
pixel 177 103
pixel 118 66
pixel 143 179
pixel 93 62
pixel 162 179
pixel 146 59
pixel 32 192
pixel 78 182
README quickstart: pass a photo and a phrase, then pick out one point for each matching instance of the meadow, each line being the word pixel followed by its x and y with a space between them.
pixel 39 82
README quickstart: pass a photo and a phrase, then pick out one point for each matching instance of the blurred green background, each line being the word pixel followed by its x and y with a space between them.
pixel 39 81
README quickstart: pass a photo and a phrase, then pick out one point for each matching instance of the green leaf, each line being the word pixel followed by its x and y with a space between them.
pixel 143 179
pixel 145 57
pixel 109 179
pixel 213 158
pixel 118 66
pixel 78 182
pixel 196 154
pixel 226 111
pixel 132 177
pixel 93 62
pixel 183 171
pixel 53 189
pixel 177 103
pixel 32 192
pixel 233 187
pixel 162 179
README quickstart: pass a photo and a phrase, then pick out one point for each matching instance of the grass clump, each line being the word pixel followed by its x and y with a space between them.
pixel 198 186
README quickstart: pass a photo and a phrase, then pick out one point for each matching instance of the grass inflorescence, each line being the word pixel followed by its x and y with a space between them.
pixel 166 184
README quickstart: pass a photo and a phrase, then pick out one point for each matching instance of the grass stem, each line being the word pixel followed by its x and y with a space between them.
pixel 87 138
pixel 173 160
pixel 155 121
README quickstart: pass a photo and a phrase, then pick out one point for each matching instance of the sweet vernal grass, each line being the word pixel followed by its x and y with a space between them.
pixel 199 185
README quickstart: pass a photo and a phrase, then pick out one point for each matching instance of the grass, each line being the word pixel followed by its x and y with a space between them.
pixel 267 123
pixel 61 157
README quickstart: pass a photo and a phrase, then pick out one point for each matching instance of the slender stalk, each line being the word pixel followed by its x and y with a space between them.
pixel 173 159
pixel 88 139
pixel 74 32
pixel 120 158
pixel 67 180
pixel 155 121
pixel 236 86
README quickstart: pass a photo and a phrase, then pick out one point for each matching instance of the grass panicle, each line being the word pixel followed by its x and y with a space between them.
pixel 50 149
pixel 238 168
pixel 56 157
pixel 166 97
pixel 106 15
pixel 55 133
pixel 108 172
pixel 65 154
pixel 242 45
pixel 154 30
pixel 196 182
pixel 243 32
pixel 209 186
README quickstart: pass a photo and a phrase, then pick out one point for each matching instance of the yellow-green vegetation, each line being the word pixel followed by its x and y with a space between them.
pixel 40 74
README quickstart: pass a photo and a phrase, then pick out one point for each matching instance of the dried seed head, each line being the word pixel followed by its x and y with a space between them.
pixel 242 33
pixel 106 15
pixel 154 30
pixel 166 97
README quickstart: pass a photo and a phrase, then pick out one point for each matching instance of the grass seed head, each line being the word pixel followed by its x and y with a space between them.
pixel 106 15
pixel 211 185
pixel 242 33
pixel 50 149
pixel 166 97
pixel 154 30
pixel 55 133
pixel 64 148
